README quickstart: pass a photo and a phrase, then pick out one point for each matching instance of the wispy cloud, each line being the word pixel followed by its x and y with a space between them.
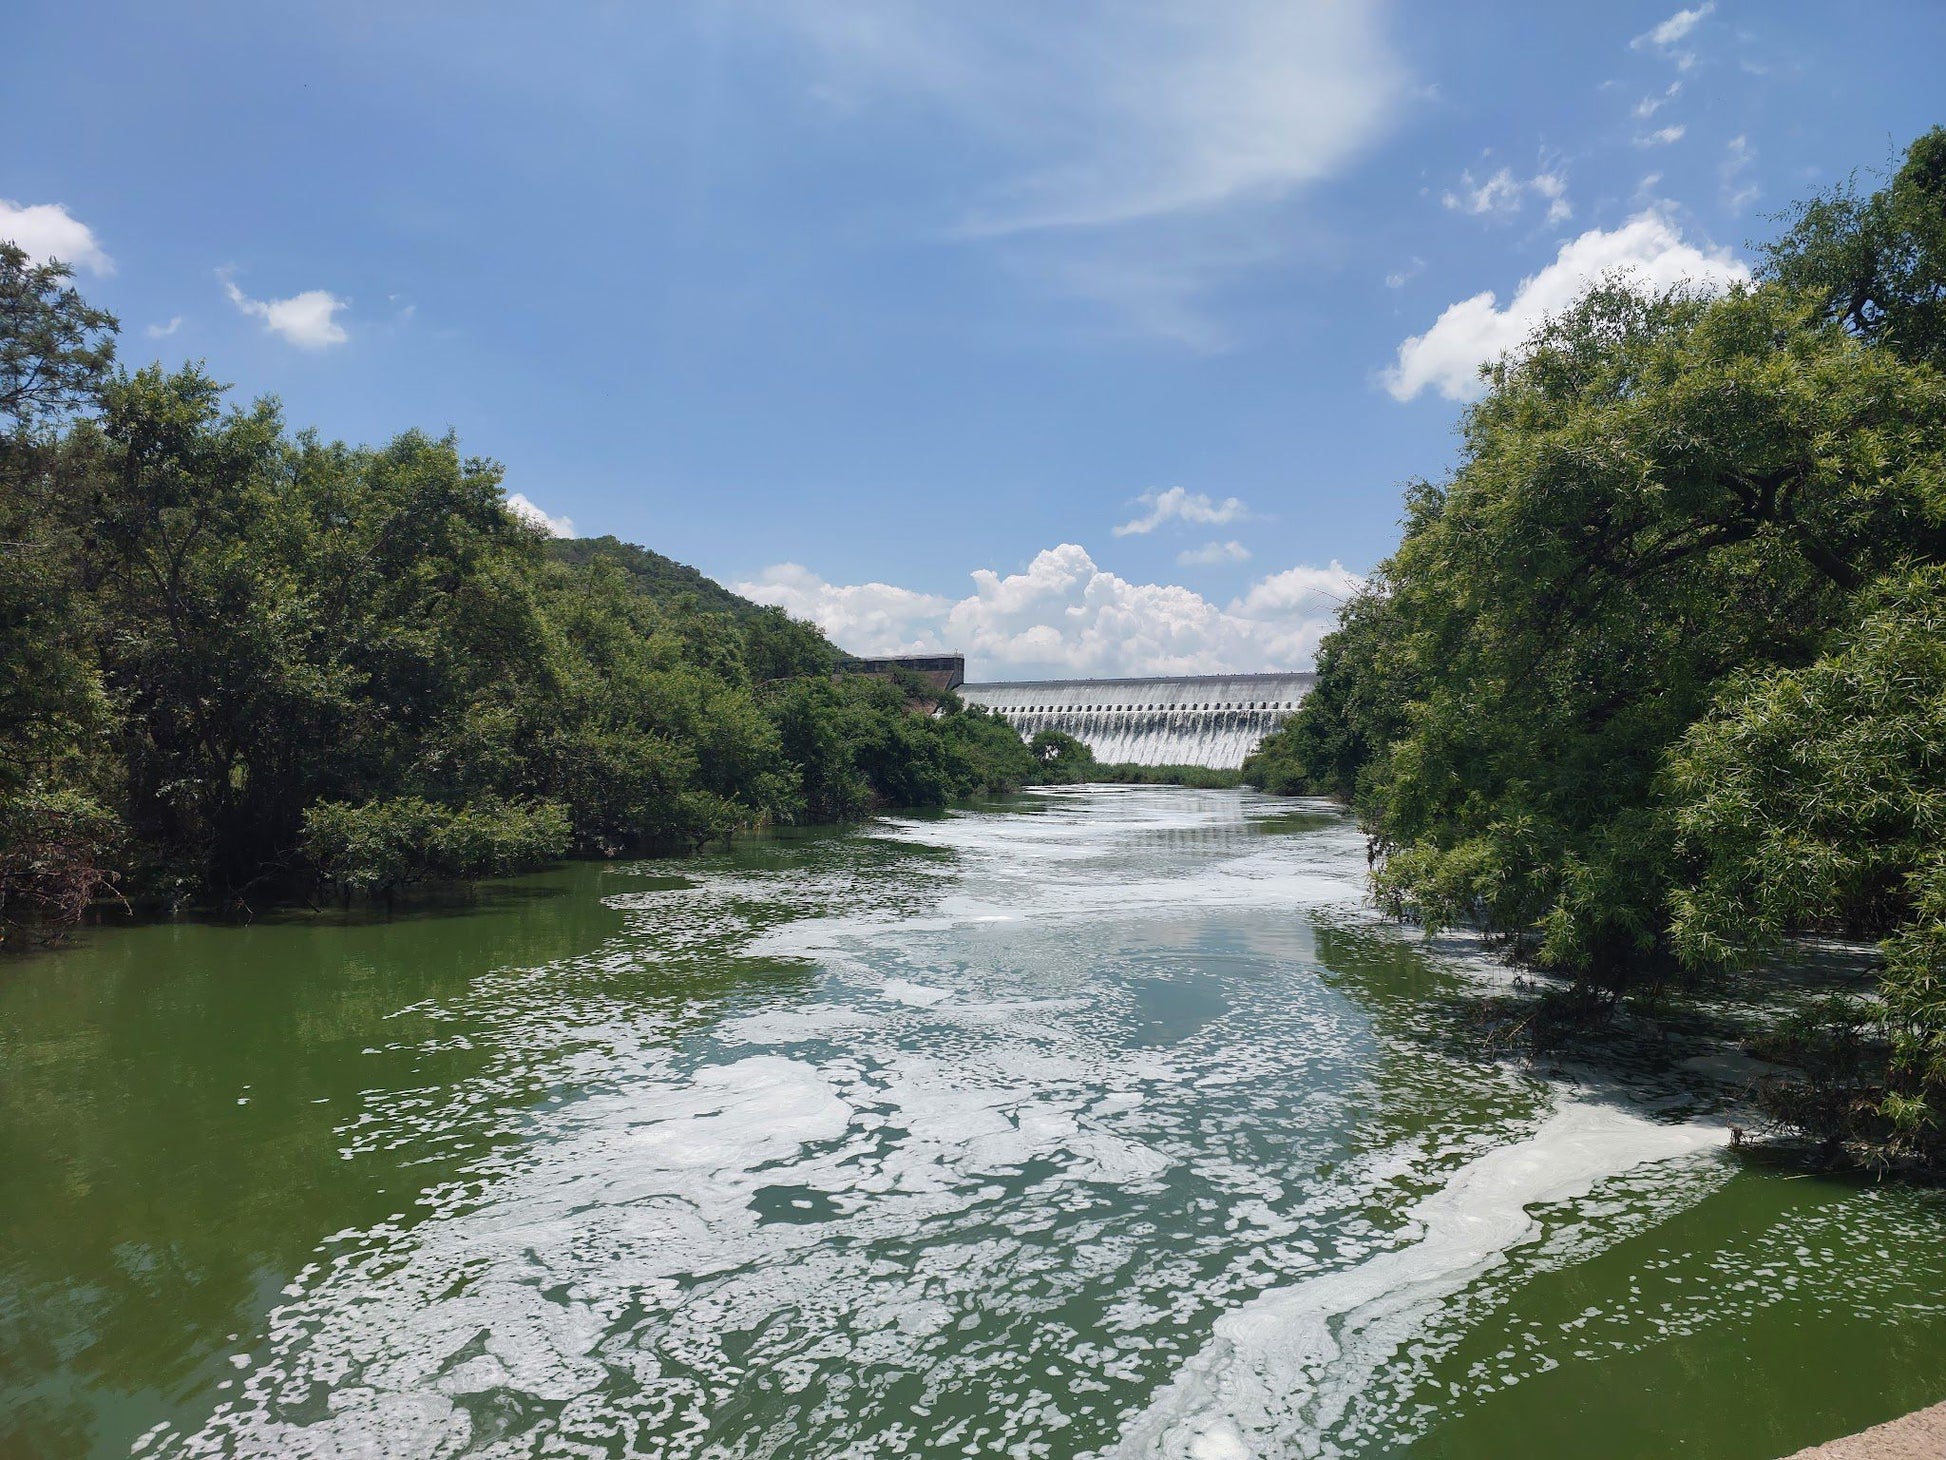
pixel 163 331
pixel 1648 106
pixel 1117 158
pixel 1213 554
pixel 307 320
pixel 1662 137
pixel 1179 104
pixel 1738 189
pixel 48 231
pixel 1399 278
pixel 1666 38
pixel 1647 250
pixel 1503 195
pixel 1177 505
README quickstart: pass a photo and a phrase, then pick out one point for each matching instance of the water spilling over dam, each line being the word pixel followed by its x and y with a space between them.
pixel 1205 720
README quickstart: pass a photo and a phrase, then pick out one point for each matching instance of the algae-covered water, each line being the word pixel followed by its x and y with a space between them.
pixel 1102 1122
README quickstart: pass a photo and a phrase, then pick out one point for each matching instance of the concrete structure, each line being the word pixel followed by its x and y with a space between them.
pixel 943 671
pixel 1919 1436
pixel 1210 720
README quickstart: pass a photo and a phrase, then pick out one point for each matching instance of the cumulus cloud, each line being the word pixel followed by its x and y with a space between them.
pixel 307 320
pixel 1502 195
pixel 1064 614
pixel 527 511
pixel 1647 250
pixel 163 331
pixel 1210 554
pixel 867 618
pixel 48 231
pixel 1177 505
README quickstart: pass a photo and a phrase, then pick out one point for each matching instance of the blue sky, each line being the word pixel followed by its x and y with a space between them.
pixel 895 312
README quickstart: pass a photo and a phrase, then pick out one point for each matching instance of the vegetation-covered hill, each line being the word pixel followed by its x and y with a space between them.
pixel 1657 676
pixel 662 579
pixel 238 661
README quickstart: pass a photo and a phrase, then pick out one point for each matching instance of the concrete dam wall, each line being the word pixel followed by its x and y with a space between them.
pixel 1208 720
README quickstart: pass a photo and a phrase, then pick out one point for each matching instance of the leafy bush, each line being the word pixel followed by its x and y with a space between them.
pixel 383 845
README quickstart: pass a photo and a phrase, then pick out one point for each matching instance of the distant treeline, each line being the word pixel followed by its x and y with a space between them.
pixel 238 662
pixel 1657 675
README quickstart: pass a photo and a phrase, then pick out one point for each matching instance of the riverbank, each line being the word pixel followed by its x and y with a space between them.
pixel 1920 1435
pixel 1094 1121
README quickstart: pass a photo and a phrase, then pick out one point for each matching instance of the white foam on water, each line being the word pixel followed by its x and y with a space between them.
pixel 940 1170
pixel 1279 1371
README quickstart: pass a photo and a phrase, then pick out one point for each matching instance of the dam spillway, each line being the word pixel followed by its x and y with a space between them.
pixel 1204 720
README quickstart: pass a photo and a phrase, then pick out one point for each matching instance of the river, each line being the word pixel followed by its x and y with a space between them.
pixel 1093 1122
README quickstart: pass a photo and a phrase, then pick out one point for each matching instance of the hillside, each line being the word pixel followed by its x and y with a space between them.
pixel 654 575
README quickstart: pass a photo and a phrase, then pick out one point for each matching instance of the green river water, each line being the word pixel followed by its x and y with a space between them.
pixel 1102 1122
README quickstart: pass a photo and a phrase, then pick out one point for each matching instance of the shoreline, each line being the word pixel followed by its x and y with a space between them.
pixel 1920 1435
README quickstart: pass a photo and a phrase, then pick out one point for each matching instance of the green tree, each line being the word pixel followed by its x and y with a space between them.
pixel 56 834
pixel 1815 797
pixel 1876 263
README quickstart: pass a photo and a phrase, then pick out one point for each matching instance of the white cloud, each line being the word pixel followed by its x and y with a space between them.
pixel 1165 106
pixel 1177 505
pixel 527 511
pixel 307 320
pixel 1138 157
pixel 1666 37
pixel 1210 554
pixel 1648 106
pixel 1502 195
pixel 1399 278
pixel 1677 27
pixel 48 231
pixel 1662 136
pixel 1647 249
pixel 866 618
pixel 163 331
pixel 1738 191
pixel 1064 614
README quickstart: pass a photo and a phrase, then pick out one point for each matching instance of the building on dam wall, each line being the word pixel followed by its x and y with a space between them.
pixel 1210 720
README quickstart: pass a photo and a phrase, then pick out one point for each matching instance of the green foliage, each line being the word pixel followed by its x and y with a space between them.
pixel 1063 759
pixel 1198 777
pixel 1658 493
pixel 1877 263
pixel 659 579
pixel 234 657
pixel 1655 677
pixel 1816 798
pixel 56 836
pixel 383 845
pixel 986 755
pixel 777 646
pixel 1355 707
pixel 55 349
pixel 54 847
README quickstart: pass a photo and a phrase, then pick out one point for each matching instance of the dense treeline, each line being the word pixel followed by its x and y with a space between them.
pixel 1657 676
pixel 236 661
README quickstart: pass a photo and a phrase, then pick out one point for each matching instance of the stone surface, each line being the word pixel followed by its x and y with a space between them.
pixel 1920 1435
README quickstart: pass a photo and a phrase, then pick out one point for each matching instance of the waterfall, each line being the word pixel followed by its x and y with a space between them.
pixel 1207 720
